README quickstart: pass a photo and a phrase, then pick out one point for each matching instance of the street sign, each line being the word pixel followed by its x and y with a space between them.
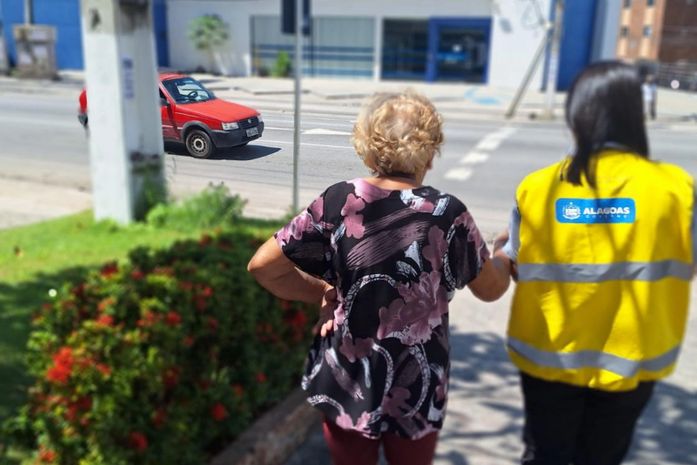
pixel 288 17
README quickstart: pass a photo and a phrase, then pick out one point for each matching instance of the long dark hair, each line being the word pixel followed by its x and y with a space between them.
pixel 604 108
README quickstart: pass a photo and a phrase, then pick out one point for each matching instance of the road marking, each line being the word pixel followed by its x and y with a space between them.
pixel 271 128
pixel 492 141
pixel 325 132
pixel 459 174
pixel 474 157
pixel 290 142
pixel 480 154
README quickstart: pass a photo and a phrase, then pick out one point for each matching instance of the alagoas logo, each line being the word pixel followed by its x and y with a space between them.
pixel 584 211
pixel 571 211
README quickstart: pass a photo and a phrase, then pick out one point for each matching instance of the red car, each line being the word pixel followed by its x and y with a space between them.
pixel 192 115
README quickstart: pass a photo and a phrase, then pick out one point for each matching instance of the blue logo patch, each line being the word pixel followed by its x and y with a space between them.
pixel 593 211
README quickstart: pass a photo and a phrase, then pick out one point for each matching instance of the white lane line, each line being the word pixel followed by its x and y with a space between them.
pixel 474 157
pixel 492 141
pixel 271 128
pixel 325 132
pixel 290 142
pixel 459 174
pixel 480 154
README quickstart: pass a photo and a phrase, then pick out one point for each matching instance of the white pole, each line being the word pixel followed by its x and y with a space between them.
pixel 298 89
pixel 126 148
pixel 28 12
pixel 553 65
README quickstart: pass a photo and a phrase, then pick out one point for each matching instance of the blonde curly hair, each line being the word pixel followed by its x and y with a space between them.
pixel 398 133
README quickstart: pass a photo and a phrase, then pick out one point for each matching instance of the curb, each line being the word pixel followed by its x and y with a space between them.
pixel 274 436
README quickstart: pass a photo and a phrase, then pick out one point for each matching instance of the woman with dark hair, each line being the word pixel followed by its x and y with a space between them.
pixel 601 304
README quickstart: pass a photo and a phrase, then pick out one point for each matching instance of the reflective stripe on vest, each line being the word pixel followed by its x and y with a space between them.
pixel 595 273
pixel 592 359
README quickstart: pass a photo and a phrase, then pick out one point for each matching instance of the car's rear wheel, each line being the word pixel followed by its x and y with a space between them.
pixel 199 144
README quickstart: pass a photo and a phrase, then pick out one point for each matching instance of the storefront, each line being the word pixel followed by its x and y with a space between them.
pixel 436 49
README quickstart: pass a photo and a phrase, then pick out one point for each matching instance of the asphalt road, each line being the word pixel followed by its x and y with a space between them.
pixel 481 161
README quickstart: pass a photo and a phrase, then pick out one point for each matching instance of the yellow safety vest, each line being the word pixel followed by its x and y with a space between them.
pixel 604 273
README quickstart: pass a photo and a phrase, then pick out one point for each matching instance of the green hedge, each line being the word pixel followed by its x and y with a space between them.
pixel 162 359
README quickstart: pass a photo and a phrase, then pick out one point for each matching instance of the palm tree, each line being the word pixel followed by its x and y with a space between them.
pixel 209 33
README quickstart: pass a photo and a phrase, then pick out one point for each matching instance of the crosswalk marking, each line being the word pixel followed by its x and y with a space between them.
pixel 480 154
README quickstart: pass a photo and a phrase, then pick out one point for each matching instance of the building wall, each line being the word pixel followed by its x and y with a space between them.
pixel 64 15
pixel 516 35
pixel 633 43
pixel 237 14
pixel 606 32
pixel 576 42
pixel 679 33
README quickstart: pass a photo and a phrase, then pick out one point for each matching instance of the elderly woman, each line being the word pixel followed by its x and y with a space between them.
pixel 394 250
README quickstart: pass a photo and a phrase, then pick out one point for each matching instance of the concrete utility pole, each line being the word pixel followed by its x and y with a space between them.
pixel 126 149
pixel 298 67
pixel 28 12
pixel 553 64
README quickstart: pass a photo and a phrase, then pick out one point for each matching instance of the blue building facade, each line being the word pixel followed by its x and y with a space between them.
pixel 64 15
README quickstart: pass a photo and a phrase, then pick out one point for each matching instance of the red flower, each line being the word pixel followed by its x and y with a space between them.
pixel 238 390
pixel 299 320
pixel 285 304
pixel 204 384
pixel 105 320
pixel 47 456
pixel 137 441
pixel 173 319
pixel 188 341
pixel 218 412
pixel 205 240
pixel 79 290
pixel 109 269
pixel 62 366
pixel 149 319
pixel 170 377
pixel 185 285
pixel 137 275
pixel 104 369
pixel 201 303
pixel 261 377
pixel 207 291
pixel 159 417
pixel 72 412
pixel 213 324
pixel 105 303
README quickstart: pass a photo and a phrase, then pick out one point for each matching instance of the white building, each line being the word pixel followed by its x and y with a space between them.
pixel 487 41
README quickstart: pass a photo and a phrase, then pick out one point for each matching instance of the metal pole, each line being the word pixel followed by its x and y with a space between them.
pixel 298 90
pixel 553 67
pixel 528 75
pixel 28 12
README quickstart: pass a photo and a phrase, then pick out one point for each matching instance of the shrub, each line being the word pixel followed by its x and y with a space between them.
pixel 211 208
pixel 159 360
pixel 282 65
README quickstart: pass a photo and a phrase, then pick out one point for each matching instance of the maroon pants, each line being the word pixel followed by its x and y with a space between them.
pixel 351 448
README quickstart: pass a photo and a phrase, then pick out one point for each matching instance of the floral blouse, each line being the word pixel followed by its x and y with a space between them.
pixel 395 258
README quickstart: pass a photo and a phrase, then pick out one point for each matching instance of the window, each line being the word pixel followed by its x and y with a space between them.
pixel 627 3
pixel 647 31
pixel 624 32
pixel 650 2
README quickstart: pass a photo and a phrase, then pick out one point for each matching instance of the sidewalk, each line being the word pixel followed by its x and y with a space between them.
pixel 483 425
pixel 345 96
pixel 25 202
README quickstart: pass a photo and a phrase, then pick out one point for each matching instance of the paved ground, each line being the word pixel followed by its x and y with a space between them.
pixel 482 161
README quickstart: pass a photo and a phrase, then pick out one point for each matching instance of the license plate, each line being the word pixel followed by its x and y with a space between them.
pixel 252 132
